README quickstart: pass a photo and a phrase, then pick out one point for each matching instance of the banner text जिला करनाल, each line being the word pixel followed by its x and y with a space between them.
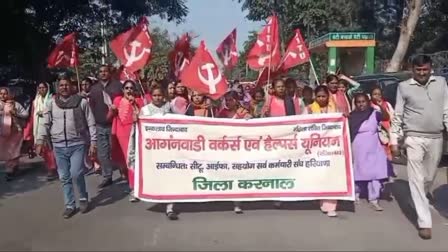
pixel 194 159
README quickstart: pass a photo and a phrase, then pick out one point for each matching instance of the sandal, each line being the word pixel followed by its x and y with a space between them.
pixel 172 216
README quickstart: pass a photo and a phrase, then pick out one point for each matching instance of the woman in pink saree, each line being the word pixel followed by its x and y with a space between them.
pixel 12 117
pixel 39 107
pixel 128 107
pixel 279 103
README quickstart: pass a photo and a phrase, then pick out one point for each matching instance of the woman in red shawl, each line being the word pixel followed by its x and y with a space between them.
pixel 233 108
pixel 128 107
pixel 379 101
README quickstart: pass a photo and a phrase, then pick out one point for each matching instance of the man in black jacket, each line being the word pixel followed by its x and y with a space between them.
pixel 102 95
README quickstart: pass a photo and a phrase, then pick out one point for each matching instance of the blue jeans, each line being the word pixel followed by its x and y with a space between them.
pixel 70 161
pixel 104 139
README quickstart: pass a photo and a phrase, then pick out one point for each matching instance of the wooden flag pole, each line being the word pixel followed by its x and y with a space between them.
pixel 142 90
pixel 77 77
pixel 314 73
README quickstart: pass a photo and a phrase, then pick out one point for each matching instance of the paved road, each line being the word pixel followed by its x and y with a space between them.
pixel 30 214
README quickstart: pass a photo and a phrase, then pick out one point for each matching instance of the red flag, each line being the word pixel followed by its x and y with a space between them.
pixel 227 51
pixel 65 54
pixel 180 56
pixel 133 47
pixel 203 75
pixel 266 51
pixel 297 52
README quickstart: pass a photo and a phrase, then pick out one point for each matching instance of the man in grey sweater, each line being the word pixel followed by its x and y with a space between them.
pixel 421 112
pixel 70 126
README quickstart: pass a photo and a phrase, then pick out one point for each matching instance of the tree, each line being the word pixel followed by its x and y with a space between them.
pixel 159 61
pixel 434 39
pixel 242 71
pixel 408 24
pixel 34 24
pixel 313 17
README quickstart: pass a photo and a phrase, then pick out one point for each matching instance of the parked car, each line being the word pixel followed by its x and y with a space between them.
pixel 389 84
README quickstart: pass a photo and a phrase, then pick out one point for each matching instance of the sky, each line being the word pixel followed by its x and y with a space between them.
pixel 212 21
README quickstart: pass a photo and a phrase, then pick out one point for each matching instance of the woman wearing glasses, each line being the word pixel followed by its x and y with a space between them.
pixel 128 107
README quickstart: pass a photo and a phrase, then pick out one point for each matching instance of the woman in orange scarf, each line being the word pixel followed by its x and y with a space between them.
pixel 323 105
pixel 198 106
pixel 128 107
pixel 340 96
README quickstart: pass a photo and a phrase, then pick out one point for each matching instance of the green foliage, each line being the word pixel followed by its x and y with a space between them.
pixel 33 25
pixel 432 31
pixel 242 72
pixel 313 17
pixel 159 61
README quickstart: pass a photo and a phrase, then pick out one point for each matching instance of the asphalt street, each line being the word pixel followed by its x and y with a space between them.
pixel 31 220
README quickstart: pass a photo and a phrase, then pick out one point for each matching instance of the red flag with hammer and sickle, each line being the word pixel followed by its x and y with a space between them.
pixel 227 51
pixel 266 50
pixel 65 54
pixel 133 47
pixel 203 75
pixel 180 56
pixel 297 52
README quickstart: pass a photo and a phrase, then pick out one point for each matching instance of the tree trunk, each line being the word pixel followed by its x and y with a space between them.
pixel 408 25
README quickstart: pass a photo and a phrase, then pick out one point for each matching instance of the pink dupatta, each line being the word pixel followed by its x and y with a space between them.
pixel 6 119
pixel 276 106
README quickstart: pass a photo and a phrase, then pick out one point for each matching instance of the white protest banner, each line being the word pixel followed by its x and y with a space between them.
pixel 195 159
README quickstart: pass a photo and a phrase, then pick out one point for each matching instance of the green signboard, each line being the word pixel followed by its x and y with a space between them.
pixel 352 36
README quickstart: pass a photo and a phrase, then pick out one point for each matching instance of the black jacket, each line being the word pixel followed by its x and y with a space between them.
pixel 99 108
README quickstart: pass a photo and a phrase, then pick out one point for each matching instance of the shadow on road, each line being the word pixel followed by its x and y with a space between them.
pixel 441 198
pixel 401 191
pixel 30 177
pixel 402 194
pixel 110 195
pixel 346 206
